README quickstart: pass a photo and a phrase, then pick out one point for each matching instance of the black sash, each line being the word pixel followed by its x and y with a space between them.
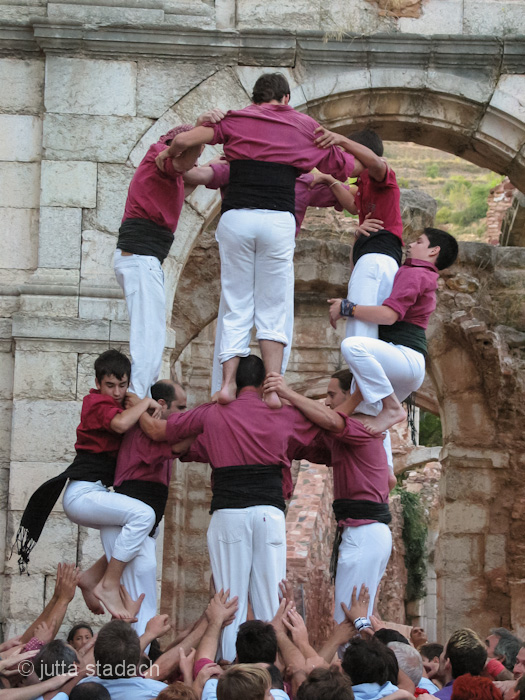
pixel 405 333
pixel 345 508
pixel 153 493
pixel 144 237
pixel 255 184
pixel 383 242
pixel 87 466
pixel 247 485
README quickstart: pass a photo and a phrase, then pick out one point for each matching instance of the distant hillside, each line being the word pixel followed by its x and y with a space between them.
pixel 460 188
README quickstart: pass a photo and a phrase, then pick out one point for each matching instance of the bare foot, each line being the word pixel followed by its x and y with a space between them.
pixel 272 400
pixel 227 394
pixel 86 587
pixel 112 600
pixel 215 397
pixel 386 419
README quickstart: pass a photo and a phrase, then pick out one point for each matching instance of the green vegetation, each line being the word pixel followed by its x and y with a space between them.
pixel 415 530
pixel 463 201
pixel 432 170
pixel 430 431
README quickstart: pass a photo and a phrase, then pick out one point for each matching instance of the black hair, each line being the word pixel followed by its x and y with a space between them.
pixel 325 684
pixel 448 246
pixel 344 377
pixel 250 372
pixel 163 389
pixel 370 139
pixel 366 661
pixel 431 650
pixel 154 650
pixel 387 635
pixel 256 643
pixel 117 650
pixel 75 628
pixel 89 691
pixel 53 659
pixel 466 653
pixel 270 86
pixel 276 676
pixel 112 362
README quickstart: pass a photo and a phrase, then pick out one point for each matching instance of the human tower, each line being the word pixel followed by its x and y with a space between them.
pixel 133 425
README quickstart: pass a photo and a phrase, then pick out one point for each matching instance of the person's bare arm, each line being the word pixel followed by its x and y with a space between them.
pixel 199 175
pixel 315 411
pixel 167 662
pixel 155 429
pixel 30 692
pixel 127 419
pixel 289 652
pixel 341 634
pixel 156 627
pixel 343 195
pixel 382 315
pixel 188 139
pixel 376 166
pixel 219 612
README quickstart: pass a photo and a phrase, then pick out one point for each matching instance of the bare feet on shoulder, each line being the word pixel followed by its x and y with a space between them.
pixel 227 394
pixel 386 419
pixel 86 587
pixel 111 598
pixel 272 400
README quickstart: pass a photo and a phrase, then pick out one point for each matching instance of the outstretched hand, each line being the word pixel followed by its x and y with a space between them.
pixel 335 311
pixel 359 604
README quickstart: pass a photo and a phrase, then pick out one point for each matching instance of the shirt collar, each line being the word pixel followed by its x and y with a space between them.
pixel 414 262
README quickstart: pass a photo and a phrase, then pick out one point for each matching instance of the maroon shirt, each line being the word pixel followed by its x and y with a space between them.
pixel 155 195
pixel 142 459
pixel 413 294
pixel 381 200
pixel 94 433
pixel 319 196
pixel 278 134
pixel 242 432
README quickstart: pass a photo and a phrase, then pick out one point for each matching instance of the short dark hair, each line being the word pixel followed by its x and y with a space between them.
pixel 276 676
pixel 54 658
pixel 325 684
pixel 431 650
pixel 250 372
pixel 387 635
pixel 508 646
pixel 448 246
pixel 112 362
pixel 256 643
pixel 366 661
pixel 89 691
pixel 78 626
pixel 370 139
pixel 466 652
pixel 163 389
pixel 344 377
pixel 117 650
pixel 270 86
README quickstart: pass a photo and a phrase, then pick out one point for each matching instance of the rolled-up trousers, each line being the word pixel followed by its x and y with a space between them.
pixel 247 549
pixel 256 248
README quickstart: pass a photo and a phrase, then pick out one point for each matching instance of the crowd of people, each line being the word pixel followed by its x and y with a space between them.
pixel 276 163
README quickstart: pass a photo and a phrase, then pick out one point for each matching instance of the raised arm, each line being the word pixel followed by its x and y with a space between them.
pixel 154 428
pixel 127 419
pixel 187 140
pixel 341 192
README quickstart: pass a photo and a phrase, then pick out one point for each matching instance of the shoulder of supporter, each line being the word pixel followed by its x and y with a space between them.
pixel 354 432
pixel 388 182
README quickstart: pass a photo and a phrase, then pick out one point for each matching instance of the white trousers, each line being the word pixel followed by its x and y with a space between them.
pixel 140 575
pixel 142 281
pixel 381 369
pixel 363 555
pixel 370 284
pixel 93 505
pixel 247 549
pixel 256 248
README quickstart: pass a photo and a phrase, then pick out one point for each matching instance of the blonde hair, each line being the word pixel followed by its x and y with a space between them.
pixel 177 691
pixel 244 681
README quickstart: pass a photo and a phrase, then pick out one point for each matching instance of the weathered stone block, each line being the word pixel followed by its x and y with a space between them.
pixel 89 547
pixel 52 376
pixel 96 270
pixel 69 184
pixel 445 14
pixel 492 17
pixel 112 189
pixel 490 130
pixel 55 441
pixel 99 14
pixel 152 102
pixel 60 237
pixel 84 86
pixel 286 15
pixel 26 477
pixel 358 17
pixel 68 329
pixel 469 484
pixel 22 188
pixel 113 309
pixel 24 597
pixel 19 238
pixel 324 81
pixel 459 554
pixel 86 374
pixel 7 366
pixel 459 517
pixel 6 406
pixel 507 92
pixel 495 552
pixel 22 85
pixel 21 137
pixel 102 139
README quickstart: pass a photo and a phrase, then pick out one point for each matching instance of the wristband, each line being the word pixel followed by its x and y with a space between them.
pixel 361 623
pixel 335 183
pixel 347 308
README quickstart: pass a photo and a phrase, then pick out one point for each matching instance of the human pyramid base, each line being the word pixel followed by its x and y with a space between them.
pixel 134 425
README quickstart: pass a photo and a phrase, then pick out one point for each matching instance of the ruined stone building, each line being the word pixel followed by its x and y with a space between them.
pixel 86 86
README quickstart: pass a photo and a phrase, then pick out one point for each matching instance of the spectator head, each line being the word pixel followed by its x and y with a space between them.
pixel 418 637
pixel 370 139
pixel 271 86
pixel 338 388
pixel 409 660
pixel 468 687
pixel 117 650
pixel 519 689
pixel 256 643
pixel 326 684
pixel 79 635
pixel 366 661
pixel 244 682
pixel 387 635
pixel 464 653
pixel 276 676
pixel 250 372
pixel 170 395
pixel 430 654
pixel 177 691
pixel 53 659
pixel 89 691
pixel 519 666
pixel 503 646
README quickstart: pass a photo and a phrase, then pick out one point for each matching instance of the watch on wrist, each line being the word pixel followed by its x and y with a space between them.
pixel 347 308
